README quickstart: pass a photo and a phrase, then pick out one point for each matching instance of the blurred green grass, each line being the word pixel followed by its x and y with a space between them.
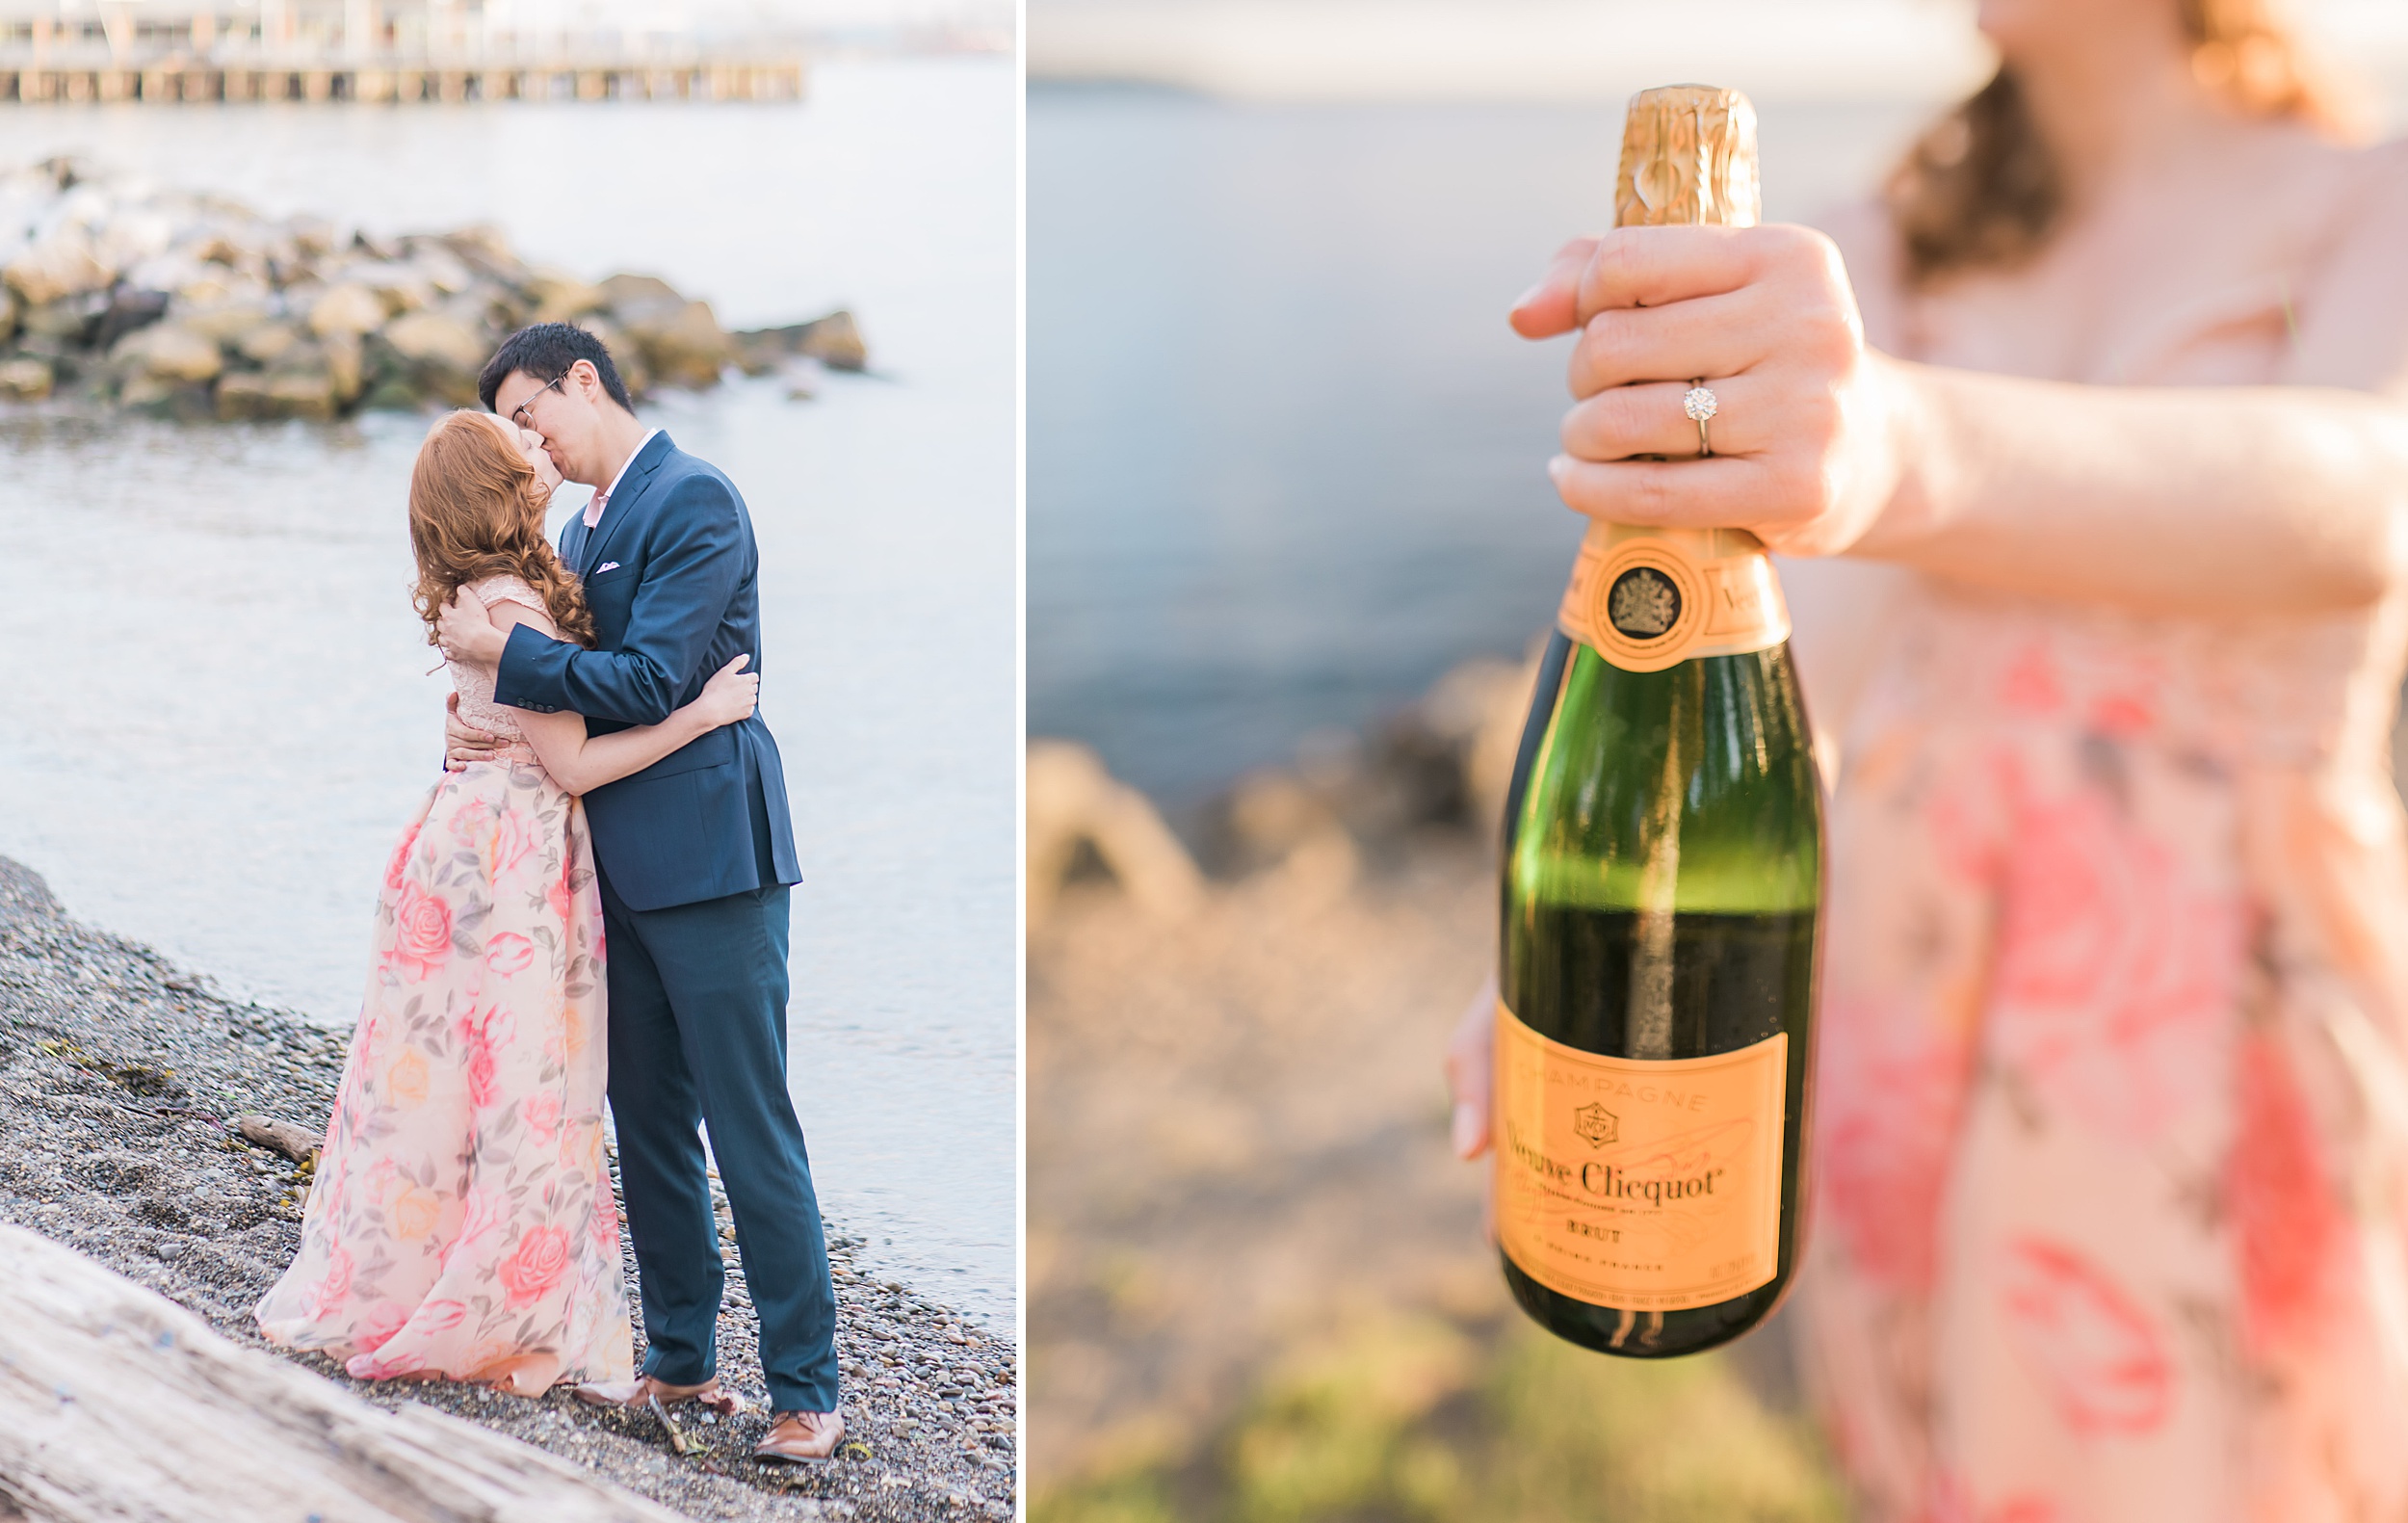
pixel 1406 1418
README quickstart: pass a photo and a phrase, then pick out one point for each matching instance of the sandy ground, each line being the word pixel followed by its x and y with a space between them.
pixel 119 1076
pixel 1237 1135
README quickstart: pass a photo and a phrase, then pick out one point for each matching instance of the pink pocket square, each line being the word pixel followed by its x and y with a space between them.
pixel 607 566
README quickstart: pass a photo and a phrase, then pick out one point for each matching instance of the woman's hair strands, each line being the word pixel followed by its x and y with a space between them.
pixel 1980 190
pixel 475 509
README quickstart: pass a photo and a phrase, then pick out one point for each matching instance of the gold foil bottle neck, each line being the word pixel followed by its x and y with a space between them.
pixel 1688 156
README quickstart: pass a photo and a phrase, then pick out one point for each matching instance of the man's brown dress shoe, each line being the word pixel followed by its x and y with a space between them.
pixel 645 1388
pixel 801 1437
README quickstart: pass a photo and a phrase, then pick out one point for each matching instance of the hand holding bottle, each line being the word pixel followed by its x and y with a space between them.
pixel 1644 1095
pixel 1806 442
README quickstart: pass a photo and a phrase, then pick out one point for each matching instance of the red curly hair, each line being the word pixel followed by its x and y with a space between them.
pixel 475 509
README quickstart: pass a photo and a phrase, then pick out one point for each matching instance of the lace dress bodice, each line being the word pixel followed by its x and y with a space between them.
pixel 476 688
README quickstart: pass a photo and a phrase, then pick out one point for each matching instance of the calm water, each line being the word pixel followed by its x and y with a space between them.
pixel 216 707
pixel 1286 461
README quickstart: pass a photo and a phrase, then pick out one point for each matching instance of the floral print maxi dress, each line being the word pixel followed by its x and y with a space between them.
pixel 2111 1130
pixel 462 1223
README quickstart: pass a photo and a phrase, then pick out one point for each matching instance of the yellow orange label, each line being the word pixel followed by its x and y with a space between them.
pixel 1638 1185
pixel 1650 598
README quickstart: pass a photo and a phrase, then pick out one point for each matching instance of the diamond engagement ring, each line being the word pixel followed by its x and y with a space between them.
pixel 1701 404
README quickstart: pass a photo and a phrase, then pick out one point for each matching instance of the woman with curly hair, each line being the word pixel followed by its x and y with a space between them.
pixel 2110 1147
pixel 461 1225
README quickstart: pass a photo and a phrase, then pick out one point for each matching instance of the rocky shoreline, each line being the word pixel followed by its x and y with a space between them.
pixel 118 293
pixel 122 1078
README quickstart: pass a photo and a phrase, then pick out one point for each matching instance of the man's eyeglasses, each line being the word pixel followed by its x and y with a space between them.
pixel 521 416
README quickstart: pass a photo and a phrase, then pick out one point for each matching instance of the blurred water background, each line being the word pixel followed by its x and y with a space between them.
pixel 217 702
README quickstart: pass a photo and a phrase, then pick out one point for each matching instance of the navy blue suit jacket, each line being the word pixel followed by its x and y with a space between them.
pixel 672 577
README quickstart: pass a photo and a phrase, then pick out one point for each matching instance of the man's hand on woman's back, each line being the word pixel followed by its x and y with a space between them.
pixel 462 743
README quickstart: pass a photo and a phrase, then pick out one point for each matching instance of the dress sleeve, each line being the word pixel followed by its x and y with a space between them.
pixel 511 589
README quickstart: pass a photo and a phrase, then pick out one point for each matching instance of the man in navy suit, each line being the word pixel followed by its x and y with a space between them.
pixel 695 854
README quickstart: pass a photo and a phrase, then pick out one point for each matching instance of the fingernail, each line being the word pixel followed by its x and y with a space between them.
pixel 1467 1131
pixel 1528 296
pixel 1558 467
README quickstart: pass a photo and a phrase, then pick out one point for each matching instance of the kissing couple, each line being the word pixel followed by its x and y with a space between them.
pixel 608 785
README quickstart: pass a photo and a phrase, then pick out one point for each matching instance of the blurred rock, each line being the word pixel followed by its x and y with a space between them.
pixel 1476 711
pixel 344 366
pixel 681 342
pixel 834 341
pixel 309 319
pixel 268 343
pixel 683 345
pixel 66 262
pixel 311 236
pixel 303 393
pixel 69 320
pixel 443 355
pixel 347 309
pixel 229 320
pixel 624 353
pixel 168 353
pixel 562 298
pixel 241 396
pixel 484 248
pixel 623 294
pixel 1272 818
pixel 389 395
pixel 1074 805
pixel 24 380
pixel 129 309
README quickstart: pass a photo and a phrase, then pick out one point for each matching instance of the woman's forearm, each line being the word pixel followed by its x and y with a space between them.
pixel 581 763
pixel 2200 500
pixel 2222 501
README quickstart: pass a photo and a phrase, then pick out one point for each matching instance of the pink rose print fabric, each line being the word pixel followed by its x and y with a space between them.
pixel 2110 1167
pixel 462 1223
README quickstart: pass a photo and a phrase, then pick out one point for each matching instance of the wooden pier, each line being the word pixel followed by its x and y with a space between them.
pixel 198 80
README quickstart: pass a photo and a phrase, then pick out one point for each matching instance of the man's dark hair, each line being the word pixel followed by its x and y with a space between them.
pixel 545 352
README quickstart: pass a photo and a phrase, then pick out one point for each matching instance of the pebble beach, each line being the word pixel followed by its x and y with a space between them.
pixel 122 1078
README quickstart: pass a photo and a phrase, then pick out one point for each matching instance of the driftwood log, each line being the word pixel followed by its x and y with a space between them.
pixel 283 1136
pixel 117 1405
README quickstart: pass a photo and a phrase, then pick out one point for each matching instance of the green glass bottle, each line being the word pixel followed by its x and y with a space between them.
pixel 1661 888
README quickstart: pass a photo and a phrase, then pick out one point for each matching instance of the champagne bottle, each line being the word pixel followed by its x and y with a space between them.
pixel 1662 879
